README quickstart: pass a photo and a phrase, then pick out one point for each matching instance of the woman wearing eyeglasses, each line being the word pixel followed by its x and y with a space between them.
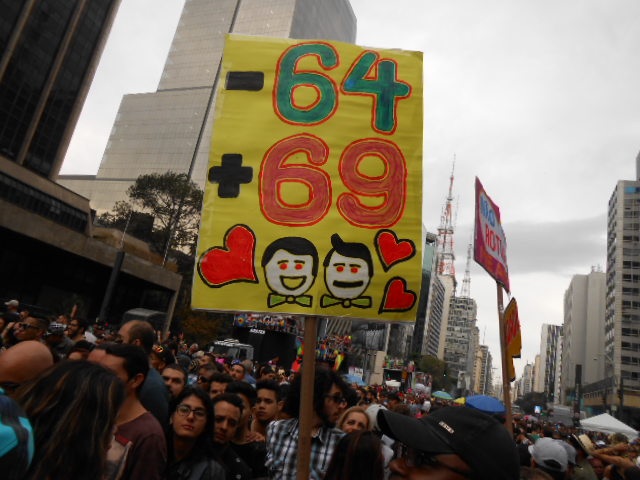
pixel 189 438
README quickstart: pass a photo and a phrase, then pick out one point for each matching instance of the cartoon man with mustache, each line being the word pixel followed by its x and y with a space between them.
pixel 347 274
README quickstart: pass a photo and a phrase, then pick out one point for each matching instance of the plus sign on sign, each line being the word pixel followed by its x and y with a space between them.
pixel 314 193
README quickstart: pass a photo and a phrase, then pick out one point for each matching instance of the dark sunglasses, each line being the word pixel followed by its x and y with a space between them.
pixel 26 326
pixel 337 398
pixel 203 379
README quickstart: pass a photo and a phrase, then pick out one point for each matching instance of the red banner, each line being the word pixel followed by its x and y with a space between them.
pixel 490 245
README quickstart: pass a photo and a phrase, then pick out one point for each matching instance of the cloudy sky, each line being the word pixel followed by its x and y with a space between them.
pixel 539 99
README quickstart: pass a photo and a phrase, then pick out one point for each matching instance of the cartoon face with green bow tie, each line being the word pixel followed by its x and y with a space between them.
pixel 290 268
pixel 347 274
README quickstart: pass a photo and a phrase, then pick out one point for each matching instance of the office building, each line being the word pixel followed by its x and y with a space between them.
pixel 459 352
pixel 51 256
pixel 621 359
pixel 548 379
pixel 483 375
pixel 170 129
pixel 583 329
pixel 420 339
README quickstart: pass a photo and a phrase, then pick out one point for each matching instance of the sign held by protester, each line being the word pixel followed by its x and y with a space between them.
pixel 490 243
pixel 314 193
pixel 513 336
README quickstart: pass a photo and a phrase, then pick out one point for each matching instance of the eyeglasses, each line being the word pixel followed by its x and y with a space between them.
pixel 26 326
pixel 184 410
pixel 203 379
pixel 337 398
pixel 417 459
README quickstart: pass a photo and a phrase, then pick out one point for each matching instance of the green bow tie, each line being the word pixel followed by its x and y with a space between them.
pixel 274 300
pixel 360 302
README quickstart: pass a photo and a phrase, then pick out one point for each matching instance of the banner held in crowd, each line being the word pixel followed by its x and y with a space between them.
pixel 313 204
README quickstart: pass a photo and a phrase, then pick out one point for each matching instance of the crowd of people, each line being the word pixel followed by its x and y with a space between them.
pixel 125 405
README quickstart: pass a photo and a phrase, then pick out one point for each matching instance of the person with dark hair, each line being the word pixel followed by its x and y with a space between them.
pixel 347 274
pixel 358 456
pixel 268 405
pixel 205 374
pixel 160 357
pixel 175 379
pixel 80 350
pixel 219 383
pixel 227 410
pixel 266 373
pixel 76 329
pixel 190 438
pixel 139 448
pixel 73 407
pixel 154 395
pixel 238 371
pixel 282 437
pixel 249 446
pixel 31 328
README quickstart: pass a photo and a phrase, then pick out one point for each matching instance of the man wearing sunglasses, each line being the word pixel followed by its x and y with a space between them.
pixel 329 392
pixel 452 443
pixel 30 328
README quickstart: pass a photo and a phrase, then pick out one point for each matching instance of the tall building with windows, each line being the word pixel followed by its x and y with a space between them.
pixel 419 341
pixel 49 52
pixel 459 351
pixel 621 359
pixel 51 256
pixel 550 359
pixel 583 329
pixel 170 129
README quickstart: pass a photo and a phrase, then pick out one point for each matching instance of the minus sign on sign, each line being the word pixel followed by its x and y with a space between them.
pixel 250 81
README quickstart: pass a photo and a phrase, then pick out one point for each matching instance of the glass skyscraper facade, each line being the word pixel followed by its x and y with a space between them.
pixel 170 129
pixel 49 49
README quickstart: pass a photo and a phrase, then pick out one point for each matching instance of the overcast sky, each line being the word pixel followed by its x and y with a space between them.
pixel 539 99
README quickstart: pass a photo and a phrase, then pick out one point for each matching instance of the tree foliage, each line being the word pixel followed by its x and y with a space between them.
pixel 204 327
pixel 438 370
pixel 529 401
pixel 171 200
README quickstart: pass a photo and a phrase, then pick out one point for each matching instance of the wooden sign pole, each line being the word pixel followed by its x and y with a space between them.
pixel 306 398
pixel 506 384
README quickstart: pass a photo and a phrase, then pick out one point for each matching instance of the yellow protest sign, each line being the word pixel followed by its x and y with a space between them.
pixel 314 193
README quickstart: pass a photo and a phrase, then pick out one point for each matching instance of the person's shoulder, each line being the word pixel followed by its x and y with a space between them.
pixel 143 426
pixel 279 427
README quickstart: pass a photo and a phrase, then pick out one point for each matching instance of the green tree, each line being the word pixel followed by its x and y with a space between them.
pixel 529 401
pixel 204 327
pixel 171 200
pixel 440 379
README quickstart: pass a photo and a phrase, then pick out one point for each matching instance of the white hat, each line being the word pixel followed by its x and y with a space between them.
pixel 12 303
pixel 549 454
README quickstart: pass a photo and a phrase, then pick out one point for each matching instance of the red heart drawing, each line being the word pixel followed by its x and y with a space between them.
pixel 391 250
pixel 396 296
pixel 220 266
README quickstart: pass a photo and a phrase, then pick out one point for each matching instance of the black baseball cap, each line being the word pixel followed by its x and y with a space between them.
pixel 480 440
